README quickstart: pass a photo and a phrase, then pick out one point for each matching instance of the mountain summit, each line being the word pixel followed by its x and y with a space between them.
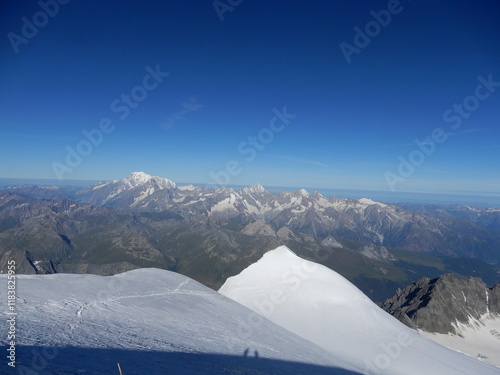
pixel 127 192
pixel 255 189
pixel 141 178
pixel 318 304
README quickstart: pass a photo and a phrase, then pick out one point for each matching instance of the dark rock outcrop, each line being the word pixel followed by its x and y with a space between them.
pixel 437 305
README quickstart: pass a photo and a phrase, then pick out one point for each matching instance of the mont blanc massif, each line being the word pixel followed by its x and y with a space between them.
pixel 168 279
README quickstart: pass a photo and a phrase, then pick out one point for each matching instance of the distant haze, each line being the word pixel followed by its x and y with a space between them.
pixel 489 200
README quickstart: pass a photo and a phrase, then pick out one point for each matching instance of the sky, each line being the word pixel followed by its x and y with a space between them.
pixel 398 96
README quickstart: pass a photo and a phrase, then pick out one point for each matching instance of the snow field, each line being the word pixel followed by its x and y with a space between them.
pixel 318 304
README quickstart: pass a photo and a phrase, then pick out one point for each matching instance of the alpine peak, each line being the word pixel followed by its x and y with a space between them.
pixel 257 188
pixel 303 192
pixel 141 178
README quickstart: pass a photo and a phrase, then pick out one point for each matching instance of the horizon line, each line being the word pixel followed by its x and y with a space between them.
pixel 76 182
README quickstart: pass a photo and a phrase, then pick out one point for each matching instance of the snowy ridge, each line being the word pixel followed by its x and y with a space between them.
pixel 254 189
pixel 148 310
pixel 320 305
pixel 140 178
pixel 254 201
pixel 303 192
pixel 368 202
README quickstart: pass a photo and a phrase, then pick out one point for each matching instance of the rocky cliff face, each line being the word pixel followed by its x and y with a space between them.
pixel 438 305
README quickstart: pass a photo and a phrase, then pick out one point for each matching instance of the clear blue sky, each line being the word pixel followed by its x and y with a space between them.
pixel 355 121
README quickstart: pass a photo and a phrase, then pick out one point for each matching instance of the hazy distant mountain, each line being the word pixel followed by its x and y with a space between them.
pixel 127 193
pixel 483 216
pixel 43 191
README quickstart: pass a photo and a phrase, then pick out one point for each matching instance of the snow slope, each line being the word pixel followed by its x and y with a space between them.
pixel 320 305
pixel 477 338
pixel 150 321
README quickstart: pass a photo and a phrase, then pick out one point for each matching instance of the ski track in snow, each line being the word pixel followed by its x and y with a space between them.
pixel 150 311
pixel 106 302
pixel 156 311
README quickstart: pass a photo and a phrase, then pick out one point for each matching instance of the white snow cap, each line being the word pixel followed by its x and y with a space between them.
pixel 320 305
pixel 257 188
pixel 303 192
pixel 369 202
pixel 141 178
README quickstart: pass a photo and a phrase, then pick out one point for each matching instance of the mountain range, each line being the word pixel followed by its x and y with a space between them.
pixel 456 230
pixel 211 234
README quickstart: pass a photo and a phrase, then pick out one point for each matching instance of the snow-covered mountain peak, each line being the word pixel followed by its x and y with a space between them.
pixel 317 195
pixel 320 305
pixel 257 188
pixel 302 192
pixel 189 187
pixel 369 202
pixel 274 266
pixel 280 252
pixel 224 190
pixel 140 178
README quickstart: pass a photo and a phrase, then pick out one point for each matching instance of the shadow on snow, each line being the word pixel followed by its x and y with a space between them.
pixel 33 360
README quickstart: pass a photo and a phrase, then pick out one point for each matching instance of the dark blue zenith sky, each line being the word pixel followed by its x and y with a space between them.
pixel 383 95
